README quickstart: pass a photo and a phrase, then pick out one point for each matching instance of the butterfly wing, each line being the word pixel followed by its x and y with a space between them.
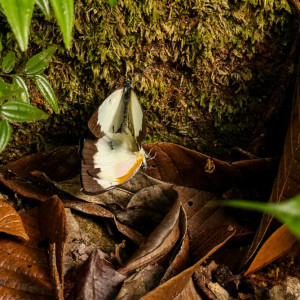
pixel 109 116
pixel 137 118
pixel 109 162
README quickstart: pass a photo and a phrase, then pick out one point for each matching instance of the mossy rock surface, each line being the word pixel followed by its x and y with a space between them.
pixel 204 70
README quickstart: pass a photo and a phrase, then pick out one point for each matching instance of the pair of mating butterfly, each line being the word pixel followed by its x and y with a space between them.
pixel 117 155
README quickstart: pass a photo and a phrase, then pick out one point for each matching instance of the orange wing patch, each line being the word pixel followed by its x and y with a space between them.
pixel 139 160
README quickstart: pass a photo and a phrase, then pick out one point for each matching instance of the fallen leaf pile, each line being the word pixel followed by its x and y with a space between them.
pixel 173 239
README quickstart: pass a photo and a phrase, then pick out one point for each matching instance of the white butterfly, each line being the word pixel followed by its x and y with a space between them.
pixel 116 156
pixel 110 161
pixel 119 112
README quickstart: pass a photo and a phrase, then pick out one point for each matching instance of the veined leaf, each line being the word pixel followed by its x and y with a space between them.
pixel 288 212
pixel 24 96
pixel 18 14
pixel 47 91
pixel 45 8
pixel 39 62
pixel 8 62
pixel 16 111
pixel 8 90
pixel 64 12
pixel 5 134
pixel 113 2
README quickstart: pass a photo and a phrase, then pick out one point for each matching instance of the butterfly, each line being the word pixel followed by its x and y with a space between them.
pixel 120 112
pixel 116 156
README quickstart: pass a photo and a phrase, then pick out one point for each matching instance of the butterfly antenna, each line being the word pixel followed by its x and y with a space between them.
pixel 149 157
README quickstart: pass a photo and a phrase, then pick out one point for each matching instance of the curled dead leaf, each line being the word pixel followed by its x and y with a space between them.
pixel 188 292
pixel 138 284
pixel 24 269
pixel 287 182
pixel 181 166
pixel 181 252
pixel 176 284
pixel 279 243
pixel 11 222
pixel 159 243
pixel 53 227
pixel 97 279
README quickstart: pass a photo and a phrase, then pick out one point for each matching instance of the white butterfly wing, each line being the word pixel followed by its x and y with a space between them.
pixel 109 162
pixel 136 117
pixel 110 112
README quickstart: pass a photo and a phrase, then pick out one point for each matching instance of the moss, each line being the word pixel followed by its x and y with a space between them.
pixel 203 70
pixel 96 234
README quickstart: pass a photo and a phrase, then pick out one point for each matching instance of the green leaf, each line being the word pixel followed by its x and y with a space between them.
pixel 9 90
pixel 5 134
pixel 1 8
pixel 288 212
pixel 16 111
pixel 45 8
pixel 113 2
pixel 8 62
pixel 64 12
pixel 47 91
pixel 1 79
pixel 18 14
pixel 39 62
pixel 24 96
pixel 1 46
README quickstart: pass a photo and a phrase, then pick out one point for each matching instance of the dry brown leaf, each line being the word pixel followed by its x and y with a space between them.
pixel 59 164
pixel 189 292
pixel 182 166
pixel 181 258
pixel 287 182
pixel 97 210
pixel 132 234
pixel 207 226
pixel 24 187
pixel 97 279
pixel 59 288
pixel 140 283
pixel 24 269
pixel 159 243
pixel 89 208
pixel 53 227
pixel 11 222
pixel 147 207
pixel 279 243
pixel 176 284
pixel 120 195
pixel 154 198
pixel 21 175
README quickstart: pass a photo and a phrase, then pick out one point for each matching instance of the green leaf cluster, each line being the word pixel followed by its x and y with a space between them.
pixel 19 14
pixel 288 212
pixel 17 107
